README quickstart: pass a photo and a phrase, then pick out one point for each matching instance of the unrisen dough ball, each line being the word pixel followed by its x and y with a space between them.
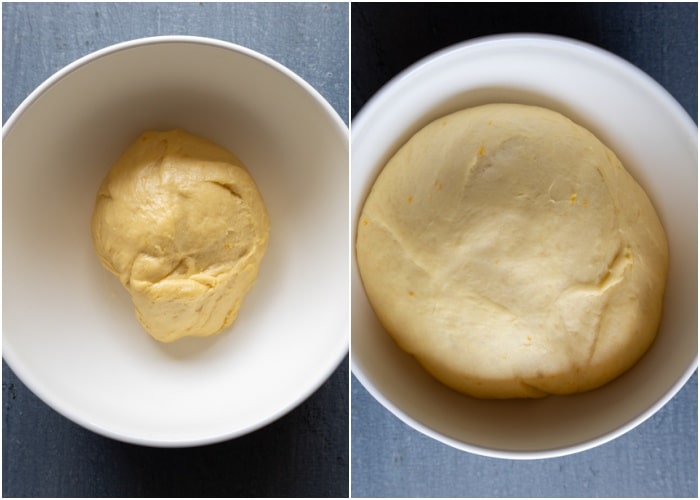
pixel 181 223
pixel 510 252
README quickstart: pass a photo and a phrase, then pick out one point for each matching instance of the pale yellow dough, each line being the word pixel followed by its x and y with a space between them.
pixel 510 252
pixel 180 221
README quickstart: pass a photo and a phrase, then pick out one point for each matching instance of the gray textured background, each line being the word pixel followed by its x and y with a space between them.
pixel 305 453
pixel 659 458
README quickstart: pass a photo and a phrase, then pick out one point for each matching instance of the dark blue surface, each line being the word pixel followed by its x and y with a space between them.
pixel 661 39
pixel 659 458
pixel 305 453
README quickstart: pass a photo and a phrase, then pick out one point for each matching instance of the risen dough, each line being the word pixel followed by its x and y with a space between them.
pixel 510 252
pixel 181 223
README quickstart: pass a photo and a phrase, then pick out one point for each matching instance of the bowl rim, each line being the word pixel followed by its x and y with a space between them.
pixel 160 39
pixel 341 348
pixel 404 78
pixel 543 39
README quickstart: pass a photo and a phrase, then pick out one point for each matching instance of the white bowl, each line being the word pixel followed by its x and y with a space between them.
pixel 655 140
pixel 69 330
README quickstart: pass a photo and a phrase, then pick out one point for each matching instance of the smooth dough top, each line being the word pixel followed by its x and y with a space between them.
pixel 181 223
pixel 510 252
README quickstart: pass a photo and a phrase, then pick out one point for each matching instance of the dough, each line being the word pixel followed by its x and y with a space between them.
pixel 181 223
pixel 511 253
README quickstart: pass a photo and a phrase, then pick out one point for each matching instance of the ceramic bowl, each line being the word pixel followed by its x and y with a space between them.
pixel 69 329
pixel 656 141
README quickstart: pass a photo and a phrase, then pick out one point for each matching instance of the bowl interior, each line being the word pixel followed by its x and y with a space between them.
pixel 69 330
pixel 655 140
